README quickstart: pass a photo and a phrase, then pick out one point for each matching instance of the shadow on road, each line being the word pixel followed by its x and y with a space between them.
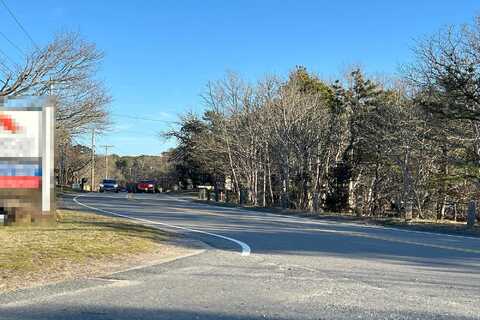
pixel 59 312
pixel 270 234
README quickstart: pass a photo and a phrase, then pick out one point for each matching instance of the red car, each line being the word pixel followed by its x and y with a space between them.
pixel 147 186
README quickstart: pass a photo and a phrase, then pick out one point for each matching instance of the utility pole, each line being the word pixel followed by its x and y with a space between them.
pixel 92 172
pixel 106 158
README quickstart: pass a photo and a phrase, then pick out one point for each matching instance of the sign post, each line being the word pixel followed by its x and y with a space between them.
pixel 27 188
pixel 48 180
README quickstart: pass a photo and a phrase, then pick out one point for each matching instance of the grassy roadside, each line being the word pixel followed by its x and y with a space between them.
pixel 445 227
pixel 81 244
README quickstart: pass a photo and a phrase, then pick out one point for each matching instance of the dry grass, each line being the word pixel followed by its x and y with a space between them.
pixel 80 244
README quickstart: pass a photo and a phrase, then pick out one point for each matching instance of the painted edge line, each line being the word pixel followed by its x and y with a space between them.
pixel 245 247
pixel 304 220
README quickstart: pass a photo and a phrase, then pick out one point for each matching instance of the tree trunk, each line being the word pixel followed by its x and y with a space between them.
pixel 264 190
pixel 232 168
pixel 270 187
pixel 285 182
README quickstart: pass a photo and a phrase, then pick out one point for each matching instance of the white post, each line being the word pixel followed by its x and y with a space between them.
pixel 47 158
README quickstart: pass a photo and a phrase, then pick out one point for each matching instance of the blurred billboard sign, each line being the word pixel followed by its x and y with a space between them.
pixel 26 158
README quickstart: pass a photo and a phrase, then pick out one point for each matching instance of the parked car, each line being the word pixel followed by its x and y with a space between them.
pixel 109 185
pixel 147 186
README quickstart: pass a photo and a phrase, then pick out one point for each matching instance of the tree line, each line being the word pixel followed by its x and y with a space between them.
pixel 359 144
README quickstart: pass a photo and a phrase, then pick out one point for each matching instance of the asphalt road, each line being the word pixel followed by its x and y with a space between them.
pixel 265 266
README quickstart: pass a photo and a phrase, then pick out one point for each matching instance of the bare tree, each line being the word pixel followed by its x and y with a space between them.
pixel 372 147
pixel 65 68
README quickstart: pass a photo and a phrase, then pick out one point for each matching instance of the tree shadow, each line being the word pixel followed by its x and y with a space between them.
pixel 269 234
pixel 82 311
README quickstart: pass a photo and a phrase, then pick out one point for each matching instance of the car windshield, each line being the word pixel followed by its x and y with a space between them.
pixel 146 181
pixel 110 181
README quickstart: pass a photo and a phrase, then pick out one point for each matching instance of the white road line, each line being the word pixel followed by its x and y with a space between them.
pixel 306 220
pixel 245 247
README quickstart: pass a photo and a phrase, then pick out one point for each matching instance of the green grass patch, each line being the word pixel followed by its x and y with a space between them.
pixel 78 240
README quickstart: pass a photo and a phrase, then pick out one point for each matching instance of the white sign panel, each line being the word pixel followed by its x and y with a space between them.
pixel 20 133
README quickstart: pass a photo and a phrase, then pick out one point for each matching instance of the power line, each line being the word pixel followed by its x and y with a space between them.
pixel 5 67
pixel 8 57
pixel 5 73
pixel 2 63
pixel 19 24
pixel 126 131
pixel 12 43
pixel 140 118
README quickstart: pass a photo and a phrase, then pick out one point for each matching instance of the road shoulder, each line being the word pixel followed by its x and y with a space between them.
pixel 82 246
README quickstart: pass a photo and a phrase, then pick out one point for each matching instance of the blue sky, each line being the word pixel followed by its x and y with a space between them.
pixel 160 54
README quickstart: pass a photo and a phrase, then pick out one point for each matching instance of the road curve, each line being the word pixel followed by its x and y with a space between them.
pixel 291 268
pixel 245 248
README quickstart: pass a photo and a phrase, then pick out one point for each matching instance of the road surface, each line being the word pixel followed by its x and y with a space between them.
pixel 265 266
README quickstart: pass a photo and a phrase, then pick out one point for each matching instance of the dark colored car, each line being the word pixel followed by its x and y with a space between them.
pixel 109 185
pixel 147 186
